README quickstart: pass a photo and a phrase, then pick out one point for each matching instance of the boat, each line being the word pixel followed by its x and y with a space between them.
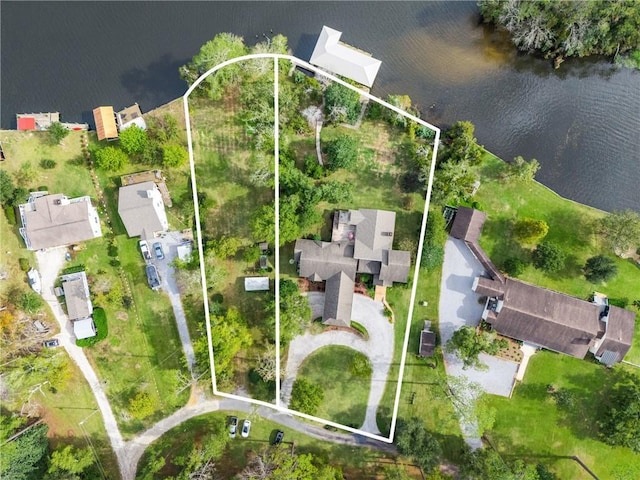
pixel 34 280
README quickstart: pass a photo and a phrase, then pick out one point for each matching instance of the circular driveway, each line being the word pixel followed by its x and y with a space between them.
pixel 378 348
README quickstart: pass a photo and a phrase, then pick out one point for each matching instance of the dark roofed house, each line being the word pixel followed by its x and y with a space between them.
pixel 542 317
pixel 362 242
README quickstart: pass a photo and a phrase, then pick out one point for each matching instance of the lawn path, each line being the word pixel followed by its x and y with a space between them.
pixel 379 350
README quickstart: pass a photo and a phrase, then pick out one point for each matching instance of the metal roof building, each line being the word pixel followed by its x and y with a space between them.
pixel 105 123
pixel 338 57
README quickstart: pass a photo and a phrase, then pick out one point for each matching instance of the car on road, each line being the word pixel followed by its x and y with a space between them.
pixel 277 440
pixel 157 248
pixel 153 277
pixel 233 427
pixel 144 248
pixel 246 428
pixel 54 342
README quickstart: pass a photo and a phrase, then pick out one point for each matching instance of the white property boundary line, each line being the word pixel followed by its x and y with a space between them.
pixel 277 405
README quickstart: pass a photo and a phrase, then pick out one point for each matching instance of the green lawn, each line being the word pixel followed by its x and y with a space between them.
pixel 531 424
pixel 345 395
pixel 571 225
pixel 358 461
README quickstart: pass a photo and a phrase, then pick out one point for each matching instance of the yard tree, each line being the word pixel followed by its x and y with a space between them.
pixel 25 175
pixel 224 247
pixel 513 266
pixel 263 224
pixel 200 460
pixel 522 170
pixel 342 152
pixel 619 424
pixel 174 155
pixel 57 132
pixel 460 144
pixel 267 364
pixel 24 458
pixel 403 102
pixel 529 230
pixel 341 103
pixel 548 257
pixel 69 462
pixel 486 463
pixel 279 462
pixel 224 46
pixel 141 405
pixel 306 397
pixel 621 230
pixel 133 140
pixel 295 312
pixel 30 302
pixel 336 192
pixel 111 158
pixel 468 345
pixel 454 182
pixel 6 187
pixel 600 269
pixel 414 440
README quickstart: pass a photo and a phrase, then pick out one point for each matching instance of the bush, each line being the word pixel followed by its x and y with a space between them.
pixel 360 328
pixel 306 397
pixel 57 132
pixel 10 213
pixel 513 266
pixel 24 264
pixel 342 152
pixel 312 168
pixel 102 330
pixel 73 269
pixel 111 158
pixel 360 366
pixel 47 164
pixel 548 257
pixel 600 269
pixel 529 230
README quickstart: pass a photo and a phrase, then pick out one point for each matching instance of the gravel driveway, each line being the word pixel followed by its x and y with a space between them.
pixel 459 306
pixel 379 349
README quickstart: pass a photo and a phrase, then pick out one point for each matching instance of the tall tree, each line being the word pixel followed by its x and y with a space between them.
pixel 621 230
pixel 24 458
pixel 548 257
pixel 69 462
pixel 414 440
pixel 306 397
pixel 619 424
pixel 468 345
pixel 341 103
pixel 6 187
pixel 133 140
pixel 600 269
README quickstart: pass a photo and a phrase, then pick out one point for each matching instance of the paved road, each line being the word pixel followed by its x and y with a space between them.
pixel 459 306
pixel 170 242
pixel 379 349
pixel 50 263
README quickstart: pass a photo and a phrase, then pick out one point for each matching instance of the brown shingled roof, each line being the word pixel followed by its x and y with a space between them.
pixel 467 224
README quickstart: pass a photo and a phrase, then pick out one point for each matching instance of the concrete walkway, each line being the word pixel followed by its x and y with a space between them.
pixel 379 349
pixel 459 305
pixel 50 262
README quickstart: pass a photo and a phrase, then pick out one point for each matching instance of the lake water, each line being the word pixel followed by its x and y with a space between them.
pixel 582 122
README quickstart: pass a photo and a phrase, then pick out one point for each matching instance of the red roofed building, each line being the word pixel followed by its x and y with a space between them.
pixel 26 123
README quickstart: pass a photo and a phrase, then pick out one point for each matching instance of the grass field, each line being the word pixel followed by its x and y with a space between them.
pixel 530 424
pixel 357 462
pixel 345 395
pixel 571 226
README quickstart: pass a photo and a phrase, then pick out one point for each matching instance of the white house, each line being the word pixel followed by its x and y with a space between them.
pixel 142 210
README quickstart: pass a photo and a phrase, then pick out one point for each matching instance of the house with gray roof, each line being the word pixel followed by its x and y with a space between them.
pixel 361 242
pixel 542 317
pixel 141 209
pixel 77 296
pixel 55 220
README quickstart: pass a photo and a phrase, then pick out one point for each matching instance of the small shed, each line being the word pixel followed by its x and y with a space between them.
pixel 427 341
pixel 256 284
pixel 184 251
pixel 84 328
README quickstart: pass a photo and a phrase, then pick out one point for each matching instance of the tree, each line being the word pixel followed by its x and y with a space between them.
pixel 468 345
pixel 414 440
pixel 224 247
pixel 513 266
pixel 24 457
pixel 529 230
pixel 548 257
pixel 522 170
pixel 341 103
pixel 6 187
pixel 295 312
pixel 619 425
pixel 600 269
pixel 30 302
pixel 485 463
pixel 111 158
pixel 306 397
pixel 69 460
pixel 342 152
pixel 460 144
pixel 454 182
pixel 403 102
pixel 133 140
pixel 224 46
pixel 174 155
pixel 57 132
pixel 25 175
pixel 278 462
pixel 141 405
pixel 621 230
pixel 434 239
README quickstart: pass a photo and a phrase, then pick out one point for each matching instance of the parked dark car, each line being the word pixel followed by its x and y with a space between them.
pixel 157 248
pixel 233 427
pixel 54 342
pixel 153 277
pixel 277 440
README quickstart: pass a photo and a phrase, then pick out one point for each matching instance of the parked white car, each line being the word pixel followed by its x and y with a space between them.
pixel 144 248
pixel 246 428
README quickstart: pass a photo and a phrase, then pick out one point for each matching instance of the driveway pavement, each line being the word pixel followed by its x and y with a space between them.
pixel 379 349
pixel 170 242
pixel 459 305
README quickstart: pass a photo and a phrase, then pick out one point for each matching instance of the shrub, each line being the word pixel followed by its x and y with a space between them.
pixel 306 397
pixel 111 158
pixel 513 266
pixel 10 212
pixel 102 330
pixel 312 168
pixel 73 269
pixel 57 132
pixel 24 264
pixel 548 257
pixel 360 328
pixel 342 152
pixel 529 230
pixel 47 164
pixel 600 269
pixel 174 155
pixel 360 366
pixel 133 140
